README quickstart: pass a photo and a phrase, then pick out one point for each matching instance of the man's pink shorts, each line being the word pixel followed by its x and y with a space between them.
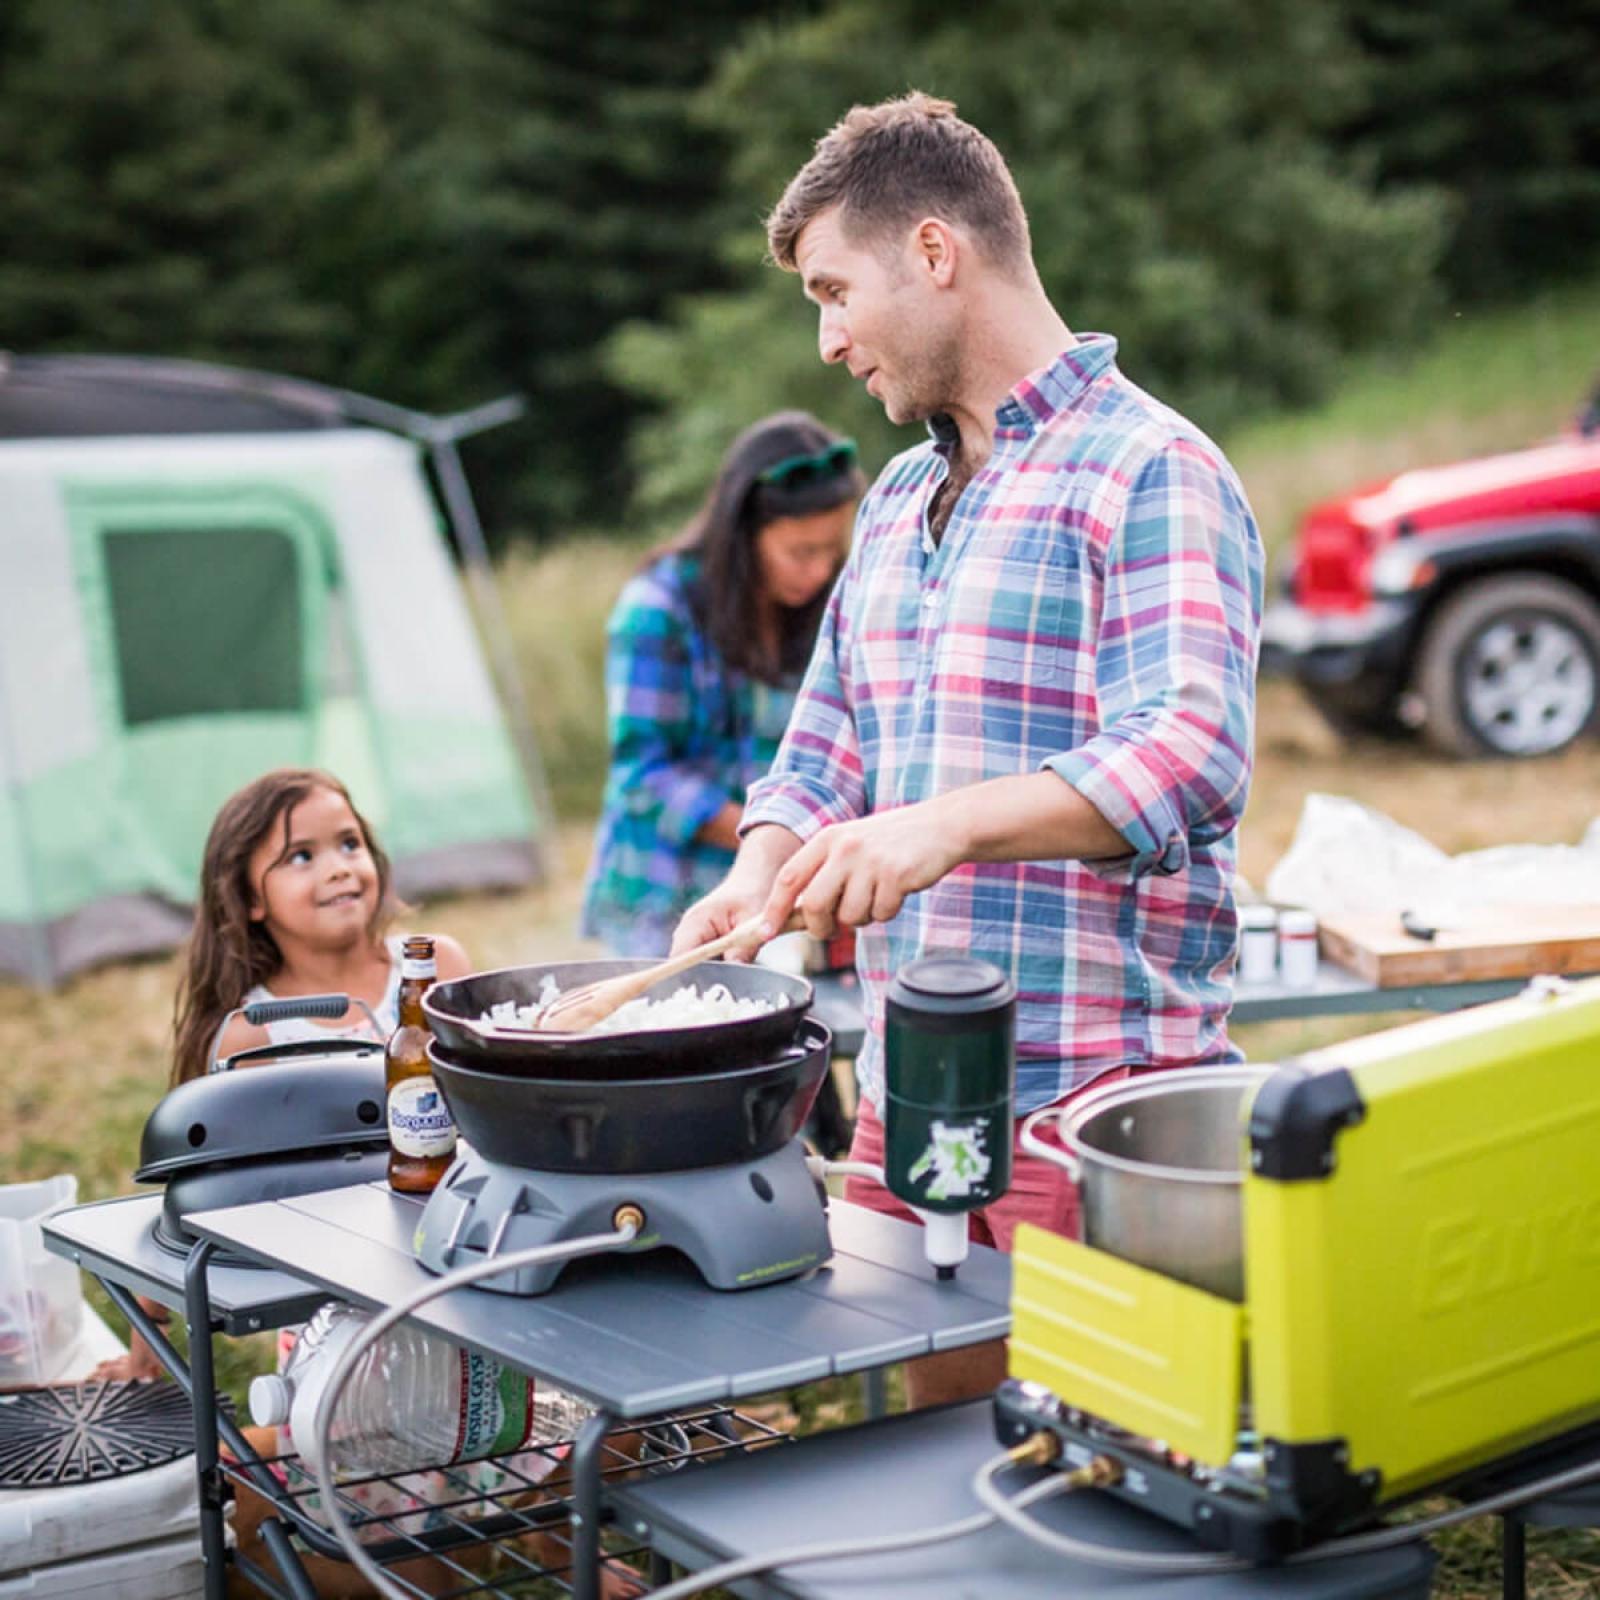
pixel 1040 1191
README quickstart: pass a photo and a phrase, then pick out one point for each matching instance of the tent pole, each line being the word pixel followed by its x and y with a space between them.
pixel 480 573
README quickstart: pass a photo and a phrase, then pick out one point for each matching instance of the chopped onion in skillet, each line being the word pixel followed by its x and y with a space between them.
pixel 685 1007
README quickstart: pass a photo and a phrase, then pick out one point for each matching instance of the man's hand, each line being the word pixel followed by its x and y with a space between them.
pixel 859 872
pixel 718 913
pixel 741 894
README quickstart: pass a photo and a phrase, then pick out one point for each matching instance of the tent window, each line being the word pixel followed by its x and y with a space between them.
pixel 205 620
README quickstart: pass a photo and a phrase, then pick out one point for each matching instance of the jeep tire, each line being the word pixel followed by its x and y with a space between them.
pixel 1510 666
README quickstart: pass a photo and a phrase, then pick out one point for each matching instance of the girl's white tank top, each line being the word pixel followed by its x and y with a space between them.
pixel 298 1029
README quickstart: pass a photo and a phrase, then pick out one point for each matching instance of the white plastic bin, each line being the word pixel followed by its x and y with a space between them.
pixel 41 1295
pixel 53 1528
pixel 169 1569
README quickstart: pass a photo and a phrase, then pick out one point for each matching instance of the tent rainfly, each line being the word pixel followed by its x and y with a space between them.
pixel 205 574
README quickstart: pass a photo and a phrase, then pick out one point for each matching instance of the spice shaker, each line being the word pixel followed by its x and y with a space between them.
pixel 1297 948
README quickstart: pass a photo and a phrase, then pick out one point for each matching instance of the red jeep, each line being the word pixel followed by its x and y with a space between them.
pixel 1463 601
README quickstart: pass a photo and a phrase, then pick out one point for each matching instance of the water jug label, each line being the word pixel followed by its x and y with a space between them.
pixel 955 1161
pixel 496 1408
pixel 419 1120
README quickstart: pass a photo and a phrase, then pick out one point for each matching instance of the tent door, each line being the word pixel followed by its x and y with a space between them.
pixel 207 616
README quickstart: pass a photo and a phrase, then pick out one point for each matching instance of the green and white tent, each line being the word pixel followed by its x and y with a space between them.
pixel 204 575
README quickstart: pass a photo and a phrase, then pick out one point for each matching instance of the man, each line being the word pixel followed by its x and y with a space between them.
pixel 1026 730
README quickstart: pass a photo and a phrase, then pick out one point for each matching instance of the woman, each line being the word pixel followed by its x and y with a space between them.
pixel 705 649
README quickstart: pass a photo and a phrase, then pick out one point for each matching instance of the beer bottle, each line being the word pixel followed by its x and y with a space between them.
pixel 422 1137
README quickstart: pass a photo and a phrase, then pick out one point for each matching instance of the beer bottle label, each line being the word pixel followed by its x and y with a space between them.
pixel 419 966
pixel 419 1120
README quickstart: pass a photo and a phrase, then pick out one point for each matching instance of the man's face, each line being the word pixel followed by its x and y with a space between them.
pixel 881 315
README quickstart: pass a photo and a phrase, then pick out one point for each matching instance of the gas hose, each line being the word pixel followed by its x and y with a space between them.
pixel 1012 1513
pixel 881 1544
pixel 591 1245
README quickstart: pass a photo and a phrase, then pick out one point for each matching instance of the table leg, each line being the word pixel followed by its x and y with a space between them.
pixel 203 1399
pixel 1514 1558
pixel 588 1455
pixel 290 1568
pixel 875 1393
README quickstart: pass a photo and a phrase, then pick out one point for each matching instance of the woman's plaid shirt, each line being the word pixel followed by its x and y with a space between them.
pixel 1093 608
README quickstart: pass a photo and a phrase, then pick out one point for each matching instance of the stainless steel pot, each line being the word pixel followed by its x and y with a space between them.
pixel 1158 1161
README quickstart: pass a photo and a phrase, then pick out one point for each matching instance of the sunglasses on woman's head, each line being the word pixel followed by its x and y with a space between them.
pixel 793 471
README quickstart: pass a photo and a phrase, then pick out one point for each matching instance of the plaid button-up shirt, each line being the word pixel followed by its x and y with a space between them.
pixel 1093 608
pixel 688 735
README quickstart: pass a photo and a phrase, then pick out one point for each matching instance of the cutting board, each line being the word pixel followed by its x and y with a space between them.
pixel 1497 942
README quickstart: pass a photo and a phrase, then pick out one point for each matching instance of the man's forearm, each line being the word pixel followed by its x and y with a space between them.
pixel 1032 817
pixel 762 852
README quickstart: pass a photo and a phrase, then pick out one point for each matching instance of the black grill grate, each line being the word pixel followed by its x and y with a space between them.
pixel 85 1432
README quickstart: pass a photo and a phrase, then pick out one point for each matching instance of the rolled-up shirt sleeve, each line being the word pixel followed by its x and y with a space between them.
pixel 817 776
pixel 649 688
pixel 1175 663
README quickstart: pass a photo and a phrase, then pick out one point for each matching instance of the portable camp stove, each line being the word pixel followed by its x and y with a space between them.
pixel 749 1223
pixel 1420 1296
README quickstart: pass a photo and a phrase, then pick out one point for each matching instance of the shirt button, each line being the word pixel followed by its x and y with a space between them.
pixel 931 600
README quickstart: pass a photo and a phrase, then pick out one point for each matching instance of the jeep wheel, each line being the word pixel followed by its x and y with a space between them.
pixel 1510 666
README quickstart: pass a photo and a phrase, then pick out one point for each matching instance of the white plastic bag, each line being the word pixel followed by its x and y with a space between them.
pixel 1347 857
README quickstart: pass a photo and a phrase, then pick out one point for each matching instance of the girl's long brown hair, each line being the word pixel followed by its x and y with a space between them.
pixel 227 952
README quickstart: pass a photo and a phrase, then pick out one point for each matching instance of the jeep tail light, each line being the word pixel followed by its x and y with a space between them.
pixel 1333 557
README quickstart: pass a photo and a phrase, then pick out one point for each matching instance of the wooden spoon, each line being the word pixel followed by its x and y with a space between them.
pixel 580 1009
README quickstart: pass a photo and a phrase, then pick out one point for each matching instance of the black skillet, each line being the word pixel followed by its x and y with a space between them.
pixel 454 1010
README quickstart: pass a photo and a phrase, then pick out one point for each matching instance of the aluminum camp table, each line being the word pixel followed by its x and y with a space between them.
pixel 640 1335
pixel 114 1241
pixel 913 1471
pixel 1338 992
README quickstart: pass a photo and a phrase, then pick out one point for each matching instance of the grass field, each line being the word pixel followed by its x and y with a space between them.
pixel 85 1063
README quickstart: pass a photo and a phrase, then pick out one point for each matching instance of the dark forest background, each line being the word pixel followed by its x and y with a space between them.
pixel 439 201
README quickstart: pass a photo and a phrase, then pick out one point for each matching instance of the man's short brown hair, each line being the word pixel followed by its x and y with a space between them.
pixel 887 166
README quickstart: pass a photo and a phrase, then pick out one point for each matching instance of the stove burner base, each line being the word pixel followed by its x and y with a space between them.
pixel 743 1225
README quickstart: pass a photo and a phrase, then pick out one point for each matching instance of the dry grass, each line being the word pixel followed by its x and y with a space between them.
pixel 1492 381
pixel 86 1062
pixel 1458 805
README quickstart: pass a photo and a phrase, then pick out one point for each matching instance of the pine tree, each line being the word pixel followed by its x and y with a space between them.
pixel 1499 100
pixel 1183 179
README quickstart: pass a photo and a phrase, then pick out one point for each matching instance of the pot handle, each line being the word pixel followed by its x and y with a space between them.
pixel 1055 1154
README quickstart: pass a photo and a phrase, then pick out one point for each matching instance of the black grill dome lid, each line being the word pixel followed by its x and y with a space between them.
pixel 317 1101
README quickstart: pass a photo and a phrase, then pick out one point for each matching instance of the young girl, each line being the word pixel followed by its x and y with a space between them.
pixel 295 899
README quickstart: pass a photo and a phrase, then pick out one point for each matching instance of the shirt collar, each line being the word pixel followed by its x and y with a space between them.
pixel 1044 394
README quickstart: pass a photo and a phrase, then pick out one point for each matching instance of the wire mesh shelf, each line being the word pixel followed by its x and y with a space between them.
pixel 487 1529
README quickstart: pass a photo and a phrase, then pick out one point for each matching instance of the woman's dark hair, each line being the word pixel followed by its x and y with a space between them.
pixel 722 534
pixel 228 952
